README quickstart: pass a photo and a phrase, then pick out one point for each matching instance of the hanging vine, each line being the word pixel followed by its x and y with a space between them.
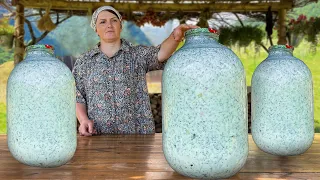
pixel 241 35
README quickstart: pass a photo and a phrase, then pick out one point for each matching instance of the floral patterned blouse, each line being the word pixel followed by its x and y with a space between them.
pixel 114 89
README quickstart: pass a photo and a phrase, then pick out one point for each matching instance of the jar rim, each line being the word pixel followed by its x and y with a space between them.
pixel 283 47
pixel 45 47
pixel 197 31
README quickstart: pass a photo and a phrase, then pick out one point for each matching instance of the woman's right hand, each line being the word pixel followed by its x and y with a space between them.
pixel 86 128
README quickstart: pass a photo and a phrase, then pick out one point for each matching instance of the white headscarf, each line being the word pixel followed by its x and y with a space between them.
pixel 97 12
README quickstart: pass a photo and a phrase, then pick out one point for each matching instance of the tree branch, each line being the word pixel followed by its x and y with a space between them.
pixel 239 19
pixel 222 19
pixel 214 24
pixel 258 16
pixel 39 38
pixel 69 16
pixel 33 37
pixel 264 47
pixel 57 21
pixel 40 12
pixel 46 32
pixel 36 14
pixel 270 39
pixel 6 6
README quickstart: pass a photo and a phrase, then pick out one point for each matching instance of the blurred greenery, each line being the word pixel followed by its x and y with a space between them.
pixel 3 125
pixel 311 10
pixel 5 55
pixel 5 27
pixel 5 70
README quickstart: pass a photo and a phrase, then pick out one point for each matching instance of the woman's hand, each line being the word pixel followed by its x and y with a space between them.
pixel 178 32
pixel 86 128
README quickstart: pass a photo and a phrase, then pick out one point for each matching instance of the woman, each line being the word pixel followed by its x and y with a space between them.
pixel 112 96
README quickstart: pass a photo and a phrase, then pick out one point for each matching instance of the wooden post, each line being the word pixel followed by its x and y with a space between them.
pixel 19 34
pixel 282 27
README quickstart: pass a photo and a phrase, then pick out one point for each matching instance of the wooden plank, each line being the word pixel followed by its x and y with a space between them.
pixel 277 176
pixel 160 6
pixel 86 174
pixel 141 157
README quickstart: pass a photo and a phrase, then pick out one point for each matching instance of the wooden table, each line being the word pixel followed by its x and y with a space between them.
pixel 141 157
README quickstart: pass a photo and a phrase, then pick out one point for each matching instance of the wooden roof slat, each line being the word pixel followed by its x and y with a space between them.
pixel 232 6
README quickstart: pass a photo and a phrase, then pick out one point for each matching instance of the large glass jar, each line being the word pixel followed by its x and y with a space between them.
pixel 205 126
pixel 282 104
pixel 41 119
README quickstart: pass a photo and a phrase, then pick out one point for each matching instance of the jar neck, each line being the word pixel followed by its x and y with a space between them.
pixel 280 50
pixel 39 50
pixel 201 37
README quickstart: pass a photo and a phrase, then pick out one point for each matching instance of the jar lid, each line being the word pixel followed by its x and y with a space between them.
pixel 46 47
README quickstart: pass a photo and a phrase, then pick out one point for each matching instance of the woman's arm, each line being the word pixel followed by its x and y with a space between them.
pixel 79 73
pixel 86 125
pixel 169 45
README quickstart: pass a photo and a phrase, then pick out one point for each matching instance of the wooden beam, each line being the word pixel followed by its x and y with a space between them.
pixel 14 2
pixel 157 7
pixel 282 27
pixel 19 34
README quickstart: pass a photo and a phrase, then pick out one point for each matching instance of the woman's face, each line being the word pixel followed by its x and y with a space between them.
pixel 108 26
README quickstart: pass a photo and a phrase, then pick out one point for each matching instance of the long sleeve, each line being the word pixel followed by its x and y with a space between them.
pixel 79 74
pixel 149 56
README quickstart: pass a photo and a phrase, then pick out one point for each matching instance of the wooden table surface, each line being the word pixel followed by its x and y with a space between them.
pixel 141 157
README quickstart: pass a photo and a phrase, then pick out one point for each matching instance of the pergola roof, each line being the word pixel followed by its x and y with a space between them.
pixel 85 6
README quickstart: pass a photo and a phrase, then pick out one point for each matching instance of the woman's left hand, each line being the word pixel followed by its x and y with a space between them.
pixel 178 32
